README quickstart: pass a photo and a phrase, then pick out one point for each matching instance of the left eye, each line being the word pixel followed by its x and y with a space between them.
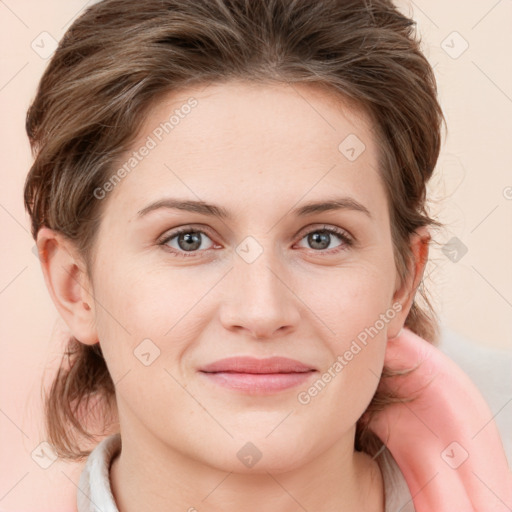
pixel 320 239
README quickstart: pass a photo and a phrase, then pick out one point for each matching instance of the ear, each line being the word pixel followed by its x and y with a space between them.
pixel 405 292
pixel 66 280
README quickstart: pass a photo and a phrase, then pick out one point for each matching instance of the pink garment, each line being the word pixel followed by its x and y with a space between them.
pixel 445 442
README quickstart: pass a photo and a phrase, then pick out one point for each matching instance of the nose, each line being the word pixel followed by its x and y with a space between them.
pixel 259 299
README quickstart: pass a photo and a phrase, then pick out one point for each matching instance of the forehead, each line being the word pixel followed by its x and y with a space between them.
pixel 275 113
pixel 237 142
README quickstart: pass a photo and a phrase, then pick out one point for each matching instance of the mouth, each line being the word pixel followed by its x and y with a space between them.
pixel 258 376
pixel 249 364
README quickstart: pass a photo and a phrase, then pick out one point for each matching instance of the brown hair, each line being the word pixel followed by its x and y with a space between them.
pixel 121 56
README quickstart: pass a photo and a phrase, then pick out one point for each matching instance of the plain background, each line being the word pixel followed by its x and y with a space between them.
pixel 469 44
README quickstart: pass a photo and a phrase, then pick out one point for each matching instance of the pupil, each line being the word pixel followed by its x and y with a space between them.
pixel 193 239
pixel 319 240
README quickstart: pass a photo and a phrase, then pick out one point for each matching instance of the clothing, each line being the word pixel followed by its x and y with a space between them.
pixel 95 495
pixel 445 439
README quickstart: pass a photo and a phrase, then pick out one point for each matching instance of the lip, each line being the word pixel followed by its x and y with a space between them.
pixel 258 376
pixel 247 364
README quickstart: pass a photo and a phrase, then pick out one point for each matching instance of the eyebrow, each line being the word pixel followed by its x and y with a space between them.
pixel 339 203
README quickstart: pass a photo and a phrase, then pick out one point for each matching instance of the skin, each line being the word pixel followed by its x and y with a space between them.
pixel 258 151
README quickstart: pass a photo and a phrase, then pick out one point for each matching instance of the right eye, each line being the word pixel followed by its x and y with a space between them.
pixel 186 240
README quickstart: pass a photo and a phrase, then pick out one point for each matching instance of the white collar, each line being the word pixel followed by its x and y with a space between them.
pixel 94 493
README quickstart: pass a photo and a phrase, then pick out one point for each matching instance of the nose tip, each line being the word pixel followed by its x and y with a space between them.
pixel 259 301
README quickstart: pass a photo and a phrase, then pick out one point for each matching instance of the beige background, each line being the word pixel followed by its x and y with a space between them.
pixel 472 193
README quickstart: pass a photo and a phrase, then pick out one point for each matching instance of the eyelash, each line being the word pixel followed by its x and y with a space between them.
pixel 344 237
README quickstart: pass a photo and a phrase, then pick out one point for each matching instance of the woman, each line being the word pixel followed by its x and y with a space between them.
pixel 229 202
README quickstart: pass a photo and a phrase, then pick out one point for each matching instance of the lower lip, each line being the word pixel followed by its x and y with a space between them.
pixel 259 383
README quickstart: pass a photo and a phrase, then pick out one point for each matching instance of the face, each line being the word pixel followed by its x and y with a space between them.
pixel 260 273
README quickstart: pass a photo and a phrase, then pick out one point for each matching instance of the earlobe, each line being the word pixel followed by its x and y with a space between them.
pixel 68 285
pixel 397 335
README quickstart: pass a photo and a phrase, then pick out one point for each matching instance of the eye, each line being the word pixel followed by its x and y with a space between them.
pixel 186 240
pixel 320 239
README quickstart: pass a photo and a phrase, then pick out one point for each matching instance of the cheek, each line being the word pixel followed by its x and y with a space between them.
pixel 355 306
pixel 350 385
pixel 349 379
pixel 139 329
pixel 348 299
pixel 148 311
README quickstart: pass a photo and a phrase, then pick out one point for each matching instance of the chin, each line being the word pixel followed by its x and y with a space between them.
pixel 260 454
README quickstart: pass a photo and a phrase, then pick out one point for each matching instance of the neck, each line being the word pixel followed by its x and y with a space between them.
pixel 150 475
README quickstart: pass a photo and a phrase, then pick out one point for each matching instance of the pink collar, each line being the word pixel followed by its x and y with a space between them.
pixel 445 442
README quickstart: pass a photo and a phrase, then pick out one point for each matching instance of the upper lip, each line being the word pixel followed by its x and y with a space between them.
pixel 247 364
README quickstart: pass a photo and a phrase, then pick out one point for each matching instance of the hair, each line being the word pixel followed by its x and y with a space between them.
pixel 121 57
